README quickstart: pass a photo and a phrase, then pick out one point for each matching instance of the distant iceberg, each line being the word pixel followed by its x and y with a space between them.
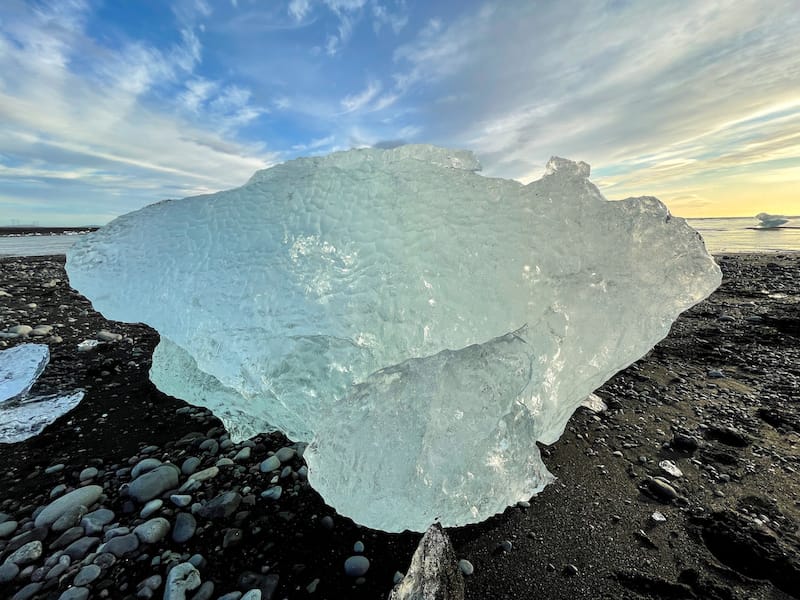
pixel 420 325
pixel 767 221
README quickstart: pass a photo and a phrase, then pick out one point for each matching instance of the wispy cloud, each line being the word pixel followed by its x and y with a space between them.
pixel 299 9
pixel 678 100
pixel 355 102
pixel 100 127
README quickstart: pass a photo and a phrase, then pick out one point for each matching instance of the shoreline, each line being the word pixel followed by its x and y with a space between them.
pixel 33 231
pixel 731 532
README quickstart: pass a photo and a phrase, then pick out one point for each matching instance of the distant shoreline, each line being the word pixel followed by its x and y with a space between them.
pixel 44 230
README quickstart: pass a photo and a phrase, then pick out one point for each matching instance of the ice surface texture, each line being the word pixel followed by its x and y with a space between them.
pixel 22 417
pixel 20 367
pixel 421 325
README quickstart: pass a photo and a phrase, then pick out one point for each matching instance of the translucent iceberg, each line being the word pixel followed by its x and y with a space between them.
pixel 768 221
pixel 420 325
pixel 21 416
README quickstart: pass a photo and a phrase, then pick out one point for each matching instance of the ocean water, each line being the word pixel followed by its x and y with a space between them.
pixel 721 235
pixel 741 235
pixel 36 245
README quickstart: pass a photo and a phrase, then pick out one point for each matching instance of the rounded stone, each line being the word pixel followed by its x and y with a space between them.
pixel 356 566
pixel 154 483
pixel 190 465
pixel 272 463
pixel 85 496
pixel 88 473
pixel 182 578
pixel 285 454
pixel 151 507
pixel 7 528
pixel 152 531
pixel 87 575
pixel 466 567
pixel 8 571
pixel 184 528
pixel 28 553
pixel 121 545
pixel 75 593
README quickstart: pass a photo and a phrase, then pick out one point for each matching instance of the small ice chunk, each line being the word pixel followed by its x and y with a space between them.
pixel 670 468
pixel 595 403
pixel 87 345
pixel 20 367
pixel 20 420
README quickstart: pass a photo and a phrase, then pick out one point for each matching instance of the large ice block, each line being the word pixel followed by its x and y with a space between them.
pixel 420 325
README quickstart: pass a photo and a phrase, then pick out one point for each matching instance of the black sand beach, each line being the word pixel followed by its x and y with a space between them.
pixel 719 397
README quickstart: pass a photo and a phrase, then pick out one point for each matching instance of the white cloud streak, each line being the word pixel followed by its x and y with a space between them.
pixel 99 127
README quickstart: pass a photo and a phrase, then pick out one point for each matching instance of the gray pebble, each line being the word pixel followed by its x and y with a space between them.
pixel 8 571
pixel 28 553
pixel 358 547
pixel 152 531
pixel 68 537
pixel 181 500
pixel 272 493
pixel 94 521
pixel 190 465
pixel 70 518
pixel 121 545
pixel 285 454
pixel 78 549
pixel 29 591
pixel 151 507
pixel 87 575
pixel 356 566
pixel 7 528
pixel 145 466
pixel 222 506
pixel 58 490
pixel 466 567
pixel 154 483
pixel 661 489
pixel 243 455
pixel 210 446
pixel 184 528
pixel 75 593
pixel 205 591
pixel 272 463
pixel 208 473
pixel 88 473
pixel 85 496
pixel 105 560
pixel 181 579
pixel 232 537
pixel 59 568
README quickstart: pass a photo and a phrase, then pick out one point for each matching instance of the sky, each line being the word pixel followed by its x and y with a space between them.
pixel 106 106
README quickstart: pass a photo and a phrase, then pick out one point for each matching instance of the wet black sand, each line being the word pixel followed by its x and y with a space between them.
pixel 732 532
